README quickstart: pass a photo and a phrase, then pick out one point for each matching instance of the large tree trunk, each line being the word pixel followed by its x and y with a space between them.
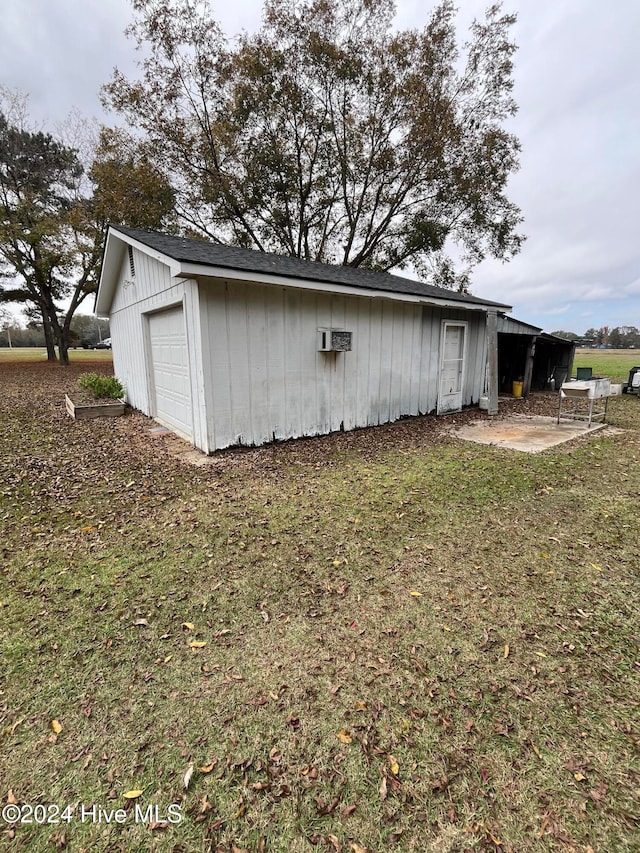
pixel 61 332
pixel 48 336
pixel 63 348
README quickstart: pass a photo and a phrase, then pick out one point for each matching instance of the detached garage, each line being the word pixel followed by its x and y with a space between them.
pixel 229 346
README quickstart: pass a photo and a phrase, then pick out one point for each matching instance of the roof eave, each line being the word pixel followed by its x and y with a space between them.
pixel 191 270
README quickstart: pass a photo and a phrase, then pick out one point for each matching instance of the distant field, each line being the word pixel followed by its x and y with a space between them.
pixel 615 363
pixel 40 354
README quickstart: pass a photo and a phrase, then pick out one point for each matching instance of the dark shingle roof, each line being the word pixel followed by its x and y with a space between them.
pixel 202 252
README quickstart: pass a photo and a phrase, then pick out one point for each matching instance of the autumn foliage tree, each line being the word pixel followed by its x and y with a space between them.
pixel 128 189
pixel 330 136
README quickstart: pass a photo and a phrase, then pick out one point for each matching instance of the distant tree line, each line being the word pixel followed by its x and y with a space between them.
pixel 85 331
pixel 620 337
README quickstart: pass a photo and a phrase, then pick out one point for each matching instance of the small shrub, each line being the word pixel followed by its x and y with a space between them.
pixel 101 386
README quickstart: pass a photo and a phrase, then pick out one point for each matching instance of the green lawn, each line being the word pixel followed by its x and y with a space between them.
pixel 35 354
pixel 388 640
pixel 615 363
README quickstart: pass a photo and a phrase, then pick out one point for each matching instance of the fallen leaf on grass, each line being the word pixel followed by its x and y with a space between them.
pixel 506 650
pixel 11 799
pixel 344 736
pixel 415 593
pixel 197 644
pixel 133 794
pixel 579 777
pixel 141 622
pixel 189 626
pixel 333 840
pixel 207 768
pixel 325 809
pixel 11 729
pixel 56 725
pixel 393 765
pixel 383 788
pixel 186 779
pixel 205 807
pixel 440 785
pixel 59 839
pixel 354 847
pixel 535 749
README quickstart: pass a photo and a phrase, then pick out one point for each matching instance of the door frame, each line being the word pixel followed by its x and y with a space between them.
pixel 465 343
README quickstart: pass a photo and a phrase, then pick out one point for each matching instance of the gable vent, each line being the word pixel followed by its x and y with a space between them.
pixel 132 266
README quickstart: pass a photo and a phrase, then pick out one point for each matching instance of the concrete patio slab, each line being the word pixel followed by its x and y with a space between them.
pixel 529 434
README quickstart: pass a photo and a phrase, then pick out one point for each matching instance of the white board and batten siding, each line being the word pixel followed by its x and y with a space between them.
pixel 264 378
pixel 146 307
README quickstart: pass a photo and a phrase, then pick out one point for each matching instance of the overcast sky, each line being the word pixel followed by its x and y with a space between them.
pixel 577 83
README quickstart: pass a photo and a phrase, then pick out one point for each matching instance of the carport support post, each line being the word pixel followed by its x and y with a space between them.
pixel 492 361
pixel 528 367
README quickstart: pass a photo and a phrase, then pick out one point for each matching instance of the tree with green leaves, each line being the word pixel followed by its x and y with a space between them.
pixel 568 336
pixel 54 211
pixel 330 136
pixel 38 176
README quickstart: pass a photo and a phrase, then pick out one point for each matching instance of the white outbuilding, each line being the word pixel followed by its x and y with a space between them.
pixel 229 346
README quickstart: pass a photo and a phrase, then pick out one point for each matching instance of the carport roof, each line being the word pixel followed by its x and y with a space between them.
pixel 215 255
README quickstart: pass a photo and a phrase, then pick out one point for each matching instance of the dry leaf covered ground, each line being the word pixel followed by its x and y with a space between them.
pixel 384 640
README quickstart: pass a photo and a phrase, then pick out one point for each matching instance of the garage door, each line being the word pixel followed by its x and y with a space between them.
pixel 170 365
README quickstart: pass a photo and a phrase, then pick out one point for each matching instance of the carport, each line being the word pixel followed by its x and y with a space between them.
pixel 527 354
pixel 553 358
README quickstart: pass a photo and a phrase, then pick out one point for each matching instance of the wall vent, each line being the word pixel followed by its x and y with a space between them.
pixel 334 340
pixel 132 266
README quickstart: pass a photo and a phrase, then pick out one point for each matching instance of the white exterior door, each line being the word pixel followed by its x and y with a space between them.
pixel 171 388
pixel 453 344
